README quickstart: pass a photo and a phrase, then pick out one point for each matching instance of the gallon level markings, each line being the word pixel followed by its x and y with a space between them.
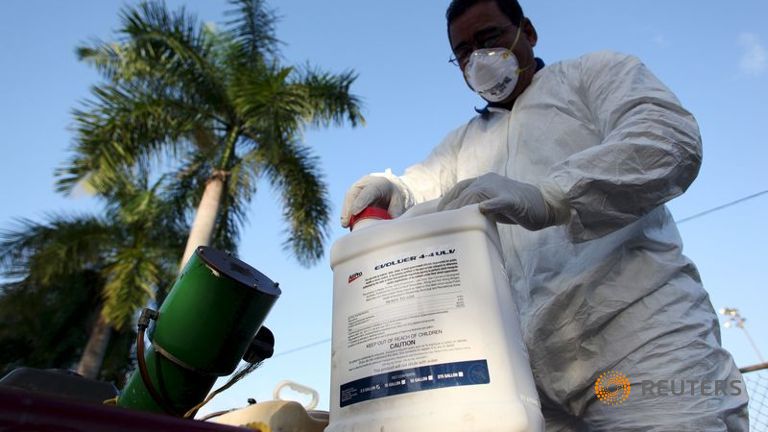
pixel 473 372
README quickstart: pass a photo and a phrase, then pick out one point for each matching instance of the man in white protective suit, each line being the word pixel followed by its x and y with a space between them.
pixel 575 161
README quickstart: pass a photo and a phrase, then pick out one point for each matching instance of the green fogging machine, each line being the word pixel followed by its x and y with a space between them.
pixel 211 319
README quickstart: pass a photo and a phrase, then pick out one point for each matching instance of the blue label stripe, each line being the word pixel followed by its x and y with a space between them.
pixel 413 380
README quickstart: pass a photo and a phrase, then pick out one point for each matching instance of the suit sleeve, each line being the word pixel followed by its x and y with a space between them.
pixel 650 151
pixel 434 176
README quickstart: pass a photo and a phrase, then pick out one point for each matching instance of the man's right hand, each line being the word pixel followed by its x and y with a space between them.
pixel 374 191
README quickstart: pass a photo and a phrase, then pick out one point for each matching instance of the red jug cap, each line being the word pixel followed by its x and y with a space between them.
pixel 369 213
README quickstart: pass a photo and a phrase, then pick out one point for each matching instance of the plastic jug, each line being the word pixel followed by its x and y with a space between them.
pixel 279 415
pixel 425 332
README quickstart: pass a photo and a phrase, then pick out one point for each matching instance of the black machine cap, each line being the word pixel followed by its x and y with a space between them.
pixel 237 270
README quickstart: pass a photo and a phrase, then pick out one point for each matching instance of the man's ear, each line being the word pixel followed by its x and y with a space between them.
pixel 530 32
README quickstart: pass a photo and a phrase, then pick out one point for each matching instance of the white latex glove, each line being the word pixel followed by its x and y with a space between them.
pixel 372 190
pixel 505 200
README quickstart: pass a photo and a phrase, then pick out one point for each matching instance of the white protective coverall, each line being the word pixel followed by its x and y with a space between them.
pixel 611 289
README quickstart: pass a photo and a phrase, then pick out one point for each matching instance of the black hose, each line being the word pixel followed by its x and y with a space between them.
pixel 146 315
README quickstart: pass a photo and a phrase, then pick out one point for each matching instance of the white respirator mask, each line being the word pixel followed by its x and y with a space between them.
pixel 493 72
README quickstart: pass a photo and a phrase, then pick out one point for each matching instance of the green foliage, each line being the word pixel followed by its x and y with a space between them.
pixel 210 102
pixel 47 325
pixel 135 248
pixel 44 252
pixel 68 270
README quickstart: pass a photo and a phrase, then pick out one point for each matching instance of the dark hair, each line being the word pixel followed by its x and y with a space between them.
pixel 510 8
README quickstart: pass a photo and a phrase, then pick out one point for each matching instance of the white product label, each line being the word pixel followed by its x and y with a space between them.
pixel 406 329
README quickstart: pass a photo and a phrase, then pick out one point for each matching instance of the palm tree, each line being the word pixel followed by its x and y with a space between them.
pixel 46 325
pixel 219 108
pixel 125 256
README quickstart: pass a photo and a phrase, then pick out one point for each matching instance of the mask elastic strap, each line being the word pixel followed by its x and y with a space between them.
pixel 519 70
pixel 517 38
pixel 517 35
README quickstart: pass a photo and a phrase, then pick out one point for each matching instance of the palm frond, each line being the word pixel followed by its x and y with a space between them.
pixel 178 50
pixel 161 50
pixel 124 126
pixel 173 38
pixel 293 171
pixel 61 245
pixel 330 98
pixel 229 221
pixel 185 188
pixel 132 278
pixel 107 58
pixel 264 97
pixel 292 98
pixel 253 29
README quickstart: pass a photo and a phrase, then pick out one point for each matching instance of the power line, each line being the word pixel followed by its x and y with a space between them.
pixel 706 212
pixel 303 347
pixel 697 215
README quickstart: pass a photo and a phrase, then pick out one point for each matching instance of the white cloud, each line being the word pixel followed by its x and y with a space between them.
pixel 754 59
pixel 660 40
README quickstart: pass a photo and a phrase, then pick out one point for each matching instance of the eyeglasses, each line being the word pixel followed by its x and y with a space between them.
pixel 486 38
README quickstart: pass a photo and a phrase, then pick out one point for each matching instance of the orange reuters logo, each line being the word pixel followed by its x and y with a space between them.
pixel 612 388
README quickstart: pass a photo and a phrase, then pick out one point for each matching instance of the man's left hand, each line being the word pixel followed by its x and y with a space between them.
pixel 505 200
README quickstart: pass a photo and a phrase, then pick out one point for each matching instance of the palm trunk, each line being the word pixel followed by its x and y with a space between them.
pixel 93 355
pixel 205 217
pixel 208 209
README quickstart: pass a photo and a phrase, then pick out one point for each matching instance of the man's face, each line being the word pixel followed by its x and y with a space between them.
pixel 484 24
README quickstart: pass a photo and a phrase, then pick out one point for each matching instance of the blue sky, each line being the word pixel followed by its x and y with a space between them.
pixel 713 55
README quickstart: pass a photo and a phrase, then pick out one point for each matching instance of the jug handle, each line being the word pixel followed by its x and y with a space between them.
pixel 422 208
pixel 297 388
